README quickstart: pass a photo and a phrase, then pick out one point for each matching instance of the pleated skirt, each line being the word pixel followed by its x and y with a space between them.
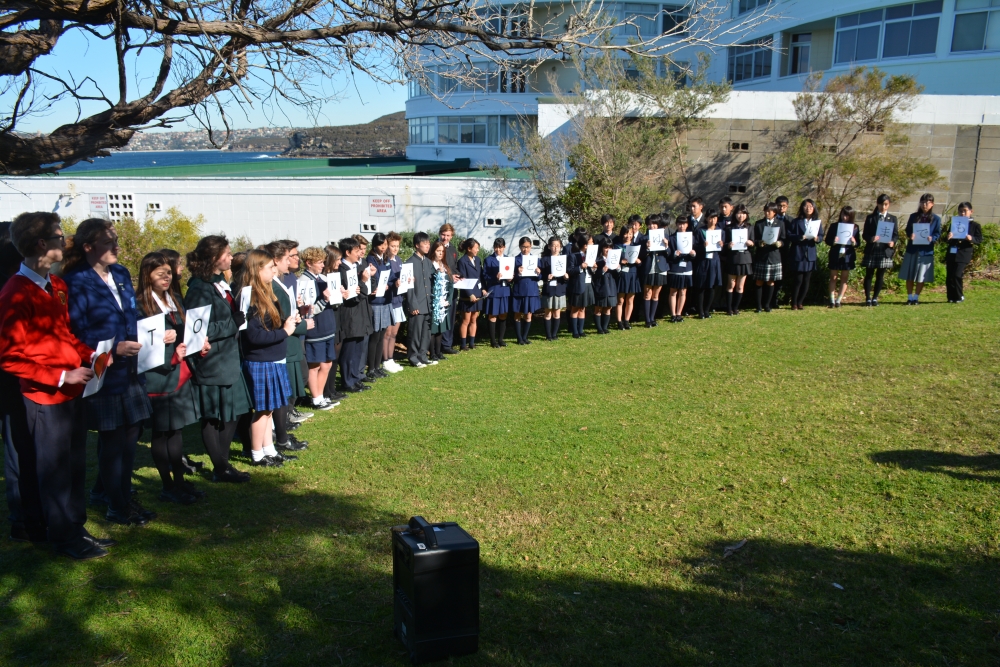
pixel 583 299
pixel 226 403
pixel 175 410
pixel 268 382
pixel 106 412
pixel 497 305
pixel 628 282
pixel 526 304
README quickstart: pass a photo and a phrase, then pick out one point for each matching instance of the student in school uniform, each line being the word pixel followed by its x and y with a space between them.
pixel 354 318
pixel 102 307
pixel 680 270
pixel 332 265
pixel 605 289
pixel 918 261
pixel 843 255
pixel 397 314
pixel 497 304
pixel 553 288
pixel 470 301
pixel 767 259
pixel 170 390
pixel 627 277
pixel 635 223
pixel 802 252
pixel 445 234
pixel 218 378
pixel 285 290
pixel 418 303
pixel 878 251
pixel 524 293
pixel 707 265
pixel 381 305
pixel 657 269
pixel 51 366
pixel 321 340
pixel 787 270
pixel 696 210
pixel 608 230
pixel 580 289
pixel 960 254
pixel 442 289
pixel 725 219
pixel 739 263
pixel 264 344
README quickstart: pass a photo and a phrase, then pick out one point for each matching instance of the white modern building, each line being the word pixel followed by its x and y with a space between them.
pixel 951 46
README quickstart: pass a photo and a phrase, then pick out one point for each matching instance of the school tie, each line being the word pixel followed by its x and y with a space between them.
pixel 48 288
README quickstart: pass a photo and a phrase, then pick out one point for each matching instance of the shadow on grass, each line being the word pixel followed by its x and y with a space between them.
pixel 274 572
pixel 959 466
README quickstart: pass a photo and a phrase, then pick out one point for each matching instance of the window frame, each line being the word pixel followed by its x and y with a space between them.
pixel 988 11
pixel 762 45
pixel 842 28
pixel 757 4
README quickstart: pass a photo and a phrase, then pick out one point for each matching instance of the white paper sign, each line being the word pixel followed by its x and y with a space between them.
pixel 352 282
pixel 529 263
pixel 884 231
pixel 922 233
pixel 845 231
pixel 631 253
pixel 713 240
pixel 151 330
pixel 196 328
pixel 770 235
pixel 306 288
pixel 614 259
pixel 656 239
pixel 959 227
pixel 506 268
pixel 467 283
pixel 812 229
pixel 333 284
pixel 405 278
pixel 590 256
pixel 101 362
pixel 739 239
pixel 244 305
pixel 685 242
pixel 383 283
pixel 558 266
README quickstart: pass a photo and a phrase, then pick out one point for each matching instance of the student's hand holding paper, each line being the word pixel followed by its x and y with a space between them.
pixel 777 244
pixel 749 243
pixel 180 352
pixel 310 324
pixel 78 376
pixel 205 348
pixel 950 236
pixel 968 237
pixel 169 336
pixel 289 326
pixel 875 238
pixel 128 348
pixel 298 301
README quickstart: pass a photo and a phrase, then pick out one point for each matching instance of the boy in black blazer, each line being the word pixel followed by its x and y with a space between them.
pixel 960 254
pixel 417 302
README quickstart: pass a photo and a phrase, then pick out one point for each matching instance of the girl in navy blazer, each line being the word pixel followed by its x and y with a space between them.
pixel 580 292
pixel 918 262
pixel 879 251
pixel 605 288
pixel 470 301
pixel 656 272
pixel 498 301
pixel 681 269
pixel 843 254
pixel 102 306
pixel 629 283
pixel 802 253
pixel 526 298
pixel 738 262
pixel 553 288
pixel 707 265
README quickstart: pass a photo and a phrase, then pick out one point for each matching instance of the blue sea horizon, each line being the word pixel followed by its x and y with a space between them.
pixel 140 159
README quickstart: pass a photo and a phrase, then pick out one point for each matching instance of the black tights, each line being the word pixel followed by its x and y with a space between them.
pixel 167 448
pixel 879 282
pixel 436 351
pixel 280 417
pixel 801 290
pixel 699 299
pixel 375 345
pixel 115 459
pixel 217 436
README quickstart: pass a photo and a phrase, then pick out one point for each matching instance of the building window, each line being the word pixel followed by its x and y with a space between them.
pixel 750 61
pixel 799 61
pixel 421 131
pixel 737 188
pixel 976 30
pixel 675 20
pixel 640 17
pixel 750 5
pixel 901 31
pixel 739 147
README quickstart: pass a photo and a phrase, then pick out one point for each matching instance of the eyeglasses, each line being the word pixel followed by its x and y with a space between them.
pixel 61 237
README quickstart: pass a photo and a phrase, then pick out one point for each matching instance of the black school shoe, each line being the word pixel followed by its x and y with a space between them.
pixel 134 505
pixel 81 549
pixel 125 518
pixel 102 542
pixel 177 496
pixel 293 444
pixel 268 462
pixel 190 489
pixel 231 475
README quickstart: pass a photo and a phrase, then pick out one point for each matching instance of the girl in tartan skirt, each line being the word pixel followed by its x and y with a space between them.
pixel 843 255
pixel 553 288
pixel 102 306
pixel 767 260
pixel 879 251
pixel 265 348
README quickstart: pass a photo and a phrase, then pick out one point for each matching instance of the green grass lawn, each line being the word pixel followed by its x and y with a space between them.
pixel 603 478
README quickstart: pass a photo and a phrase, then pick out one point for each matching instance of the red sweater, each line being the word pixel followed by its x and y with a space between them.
pixel 36 344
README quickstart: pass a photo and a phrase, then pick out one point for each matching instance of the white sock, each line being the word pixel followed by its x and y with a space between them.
pixel 317 401
pixel 270 451
pixel 257 454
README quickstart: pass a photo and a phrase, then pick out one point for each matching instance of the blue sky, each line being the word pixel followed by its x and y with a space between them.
pixel 360 99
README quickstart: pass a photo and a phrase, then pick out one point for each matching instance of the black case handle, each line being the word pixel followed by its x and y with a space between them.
pixel 421 524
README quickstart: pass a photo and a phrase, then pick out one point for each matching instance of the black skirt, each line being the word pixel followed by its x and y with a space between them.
pixel 677 281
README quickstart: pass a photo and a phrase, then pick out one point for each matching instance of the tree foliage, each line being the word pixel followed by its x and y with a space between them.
pixel 622 147
pixel 848 147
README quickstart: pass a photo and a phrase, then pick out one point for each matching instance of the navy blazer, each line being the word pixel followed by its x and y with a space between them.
pixel 548 289
pixel 803 249
pixel 94 316
pixel 923 250
pixel 527 284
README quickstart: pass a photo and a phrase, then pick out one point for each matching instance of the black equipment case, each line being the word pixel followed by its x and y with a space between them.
pixel 435 577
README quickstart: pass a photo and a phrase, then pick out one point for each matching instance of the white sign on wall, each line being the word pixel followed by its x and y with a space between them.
pixel 382 207
pixel 99 206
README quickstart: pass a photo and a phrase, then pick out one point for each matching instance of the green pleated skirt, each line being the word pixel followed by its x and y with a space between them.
pixel 296 380
pixel 224 402
pixel 175 410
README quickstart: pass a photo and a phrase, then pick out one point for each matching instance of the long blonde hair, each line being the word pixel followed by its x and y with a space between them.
pixel 261 293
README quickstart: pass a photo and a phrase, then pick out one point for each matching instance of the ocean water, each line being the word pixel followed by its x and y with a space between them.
pixel 137 159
